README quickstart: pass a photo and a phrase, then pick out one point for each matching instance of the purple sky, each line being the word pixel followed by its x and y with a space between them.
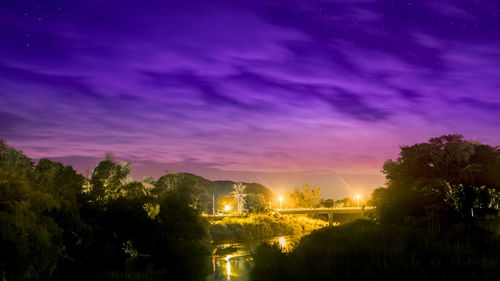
pixel 279 92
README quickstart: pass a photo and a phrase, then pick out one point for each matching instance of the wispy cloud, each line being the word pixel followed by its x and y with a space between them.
pixel 301 85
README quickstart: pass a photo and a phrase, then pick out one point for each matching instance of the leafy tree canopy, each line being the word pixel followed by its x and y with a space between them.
pixel 437 176
pixel 256 203
pixel 56 224
pixel 305 197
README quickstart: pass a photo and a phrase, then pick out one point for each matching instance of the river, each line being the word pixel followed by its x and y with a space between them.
pixel 233 261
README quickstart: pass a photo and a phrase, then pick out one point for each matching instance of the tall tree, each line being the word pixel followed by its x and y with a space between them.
pixel 239 195
pixel 108 178
pixel 200 189
pixel 305 197
pixel 427 177
pixel 111 180
pixel 256 203
pixel 30 240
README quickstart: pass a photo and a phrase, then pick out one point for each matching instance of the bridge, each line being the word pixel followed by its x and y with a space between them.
pixel 327 211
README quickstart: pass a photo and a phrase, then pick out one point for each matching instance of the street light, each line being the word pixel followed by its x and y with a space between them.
pixel 358 197
pixel 227 208
pixel 281 202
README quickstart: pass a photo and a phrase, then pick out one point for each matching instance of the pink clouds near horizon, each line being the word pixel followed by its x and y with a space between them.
pixel 247 87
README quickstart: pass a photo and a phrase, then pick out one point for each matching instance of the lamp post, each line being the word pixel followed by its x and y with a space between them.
pixel 281 202
pixel 358 197
pixel 213 200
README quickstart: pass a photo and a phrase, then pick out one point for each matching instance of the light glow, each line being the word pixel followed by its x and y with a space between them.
pixel 282 242
pixel 228 266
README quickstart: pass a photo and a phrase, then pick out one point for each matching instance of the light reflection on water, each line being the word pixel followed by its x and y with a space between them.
pixel 237 265
pixel 228 270
pixel 231 267
pixel 228 266
pixel 282 242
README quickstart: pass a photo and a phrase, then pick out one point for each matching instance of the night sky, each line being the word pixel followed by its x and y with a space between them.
pixel 278 92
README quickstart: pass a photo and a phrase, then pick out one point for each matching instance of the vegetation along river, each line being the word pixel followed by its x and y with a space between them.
pixel 233 260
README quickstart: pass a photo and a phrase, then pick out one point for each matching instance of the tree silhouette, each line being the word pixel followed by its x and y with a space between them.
pixel 306 197
pixel 441 177
pixel 239 195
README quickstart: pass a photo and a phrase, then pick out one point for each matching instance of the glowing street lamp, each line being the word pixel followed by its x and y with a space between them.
pixel 281 202
pixel 358 197
pixel 227 208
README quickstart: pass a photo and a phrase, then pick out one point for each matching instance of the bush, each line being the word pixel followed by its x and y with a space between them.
pixel 261 226
pixel 367 251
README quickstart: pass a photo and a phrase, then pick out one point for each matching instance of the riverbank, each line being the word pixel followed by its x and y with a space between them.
pixel 261 226
pixel 237 264
pixel 365 250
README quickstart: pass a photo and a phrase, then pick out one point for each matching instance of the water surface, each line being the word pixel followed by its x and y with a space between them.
pixel 237 263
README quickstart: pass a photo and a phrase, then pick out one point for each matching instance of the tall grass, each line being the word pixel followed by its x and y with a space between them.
pixel 363 250
pixel 259 226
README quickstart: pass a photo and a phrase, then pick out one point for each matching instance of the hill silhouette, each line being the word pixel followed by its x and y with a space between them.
pixel 203 188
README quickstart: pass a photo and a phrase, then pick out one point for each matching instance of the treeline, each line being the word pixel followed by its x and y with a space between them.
pixel 310 197
pixel 428 223
pixel 55 224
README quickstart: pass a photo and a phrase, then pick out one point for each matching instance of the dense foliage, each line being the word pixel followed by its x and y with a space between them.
pixel 446 178
pixel 57 224
pixel 262 226
pixel 34 213
pixel 364 250
pixel 305 197
pixel 255 203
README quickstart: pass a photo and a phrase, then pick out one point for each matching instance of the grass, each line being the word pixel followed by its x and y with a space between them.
pixel 364 250
pixel 260 226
